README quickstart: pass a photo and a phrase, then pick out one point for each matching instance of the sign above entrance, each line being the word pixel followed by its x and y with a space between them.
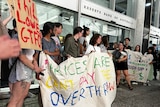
pixel 155 31
pixel 94 10
pixel 68 4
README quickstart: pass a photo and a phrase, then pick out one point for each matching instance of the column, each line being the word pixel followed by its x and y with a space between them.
pixel 156 13
pixel 140 13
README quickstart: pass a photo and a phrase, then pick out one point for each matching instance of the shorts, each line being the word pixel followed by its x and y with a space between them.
pixel 21 72
pixel 121 66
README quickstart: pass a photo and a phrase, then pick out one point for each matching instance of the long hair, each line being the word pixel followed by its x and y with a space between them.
pixel 139 48
pixel 94 39
pixel 85 29
pixel 47 27
pixel 105 41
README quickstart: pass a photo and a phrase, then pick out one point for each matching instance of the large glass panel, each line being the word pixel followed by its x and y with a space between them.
pixel 147 19
pixel 115 34
pixel 104 3
pixel 48 12
pixel 126 7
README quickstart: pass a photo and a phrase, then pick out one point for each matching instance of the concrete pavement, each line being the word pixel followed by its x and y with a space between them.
pixel 140 96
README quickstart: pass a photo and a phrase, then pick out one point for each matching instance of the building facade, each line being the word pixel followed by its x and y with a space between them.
pixel 136 19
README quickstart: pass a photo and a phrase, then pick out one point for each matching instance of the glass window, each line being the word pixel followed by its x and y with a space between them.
pixel 45 12
pixel 126 7
pixel 147 14
pixel 115 34
pixel 104 3
pixel 48 12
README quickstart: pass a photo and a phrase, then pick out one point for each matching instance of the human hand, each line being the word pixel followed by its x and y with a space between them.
pixel 9 47
pixel 38 69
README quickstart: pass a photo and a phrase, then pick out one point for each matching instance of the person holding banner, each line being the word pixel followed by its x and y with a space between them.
pixel 94 43
pixel 150 57
pixel 72 45
pixel 49 46
pixel 137 48
pixel 21 75
pixel 57 29
pixel 120 59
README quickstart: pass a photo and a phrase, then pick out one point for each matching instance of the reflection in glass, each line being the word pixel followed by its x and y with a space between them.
pixel 104 3
pixel 48 12
pixel 115 34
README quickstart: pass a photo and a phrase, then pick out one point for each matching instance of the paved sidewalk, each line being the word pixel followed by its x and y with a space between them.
pixel 140 96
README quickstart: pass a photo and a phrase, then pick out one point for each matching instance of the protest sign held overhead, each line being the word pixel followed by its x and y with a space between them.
pixel 27 24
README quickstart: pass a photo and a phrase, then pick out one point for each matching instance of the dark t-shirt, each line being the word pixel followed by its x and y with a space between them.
pixel 127 47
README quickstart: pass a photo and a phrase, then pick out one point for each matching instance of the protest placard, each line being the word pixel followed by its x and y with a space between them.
pixel 78 82
pixel 27 23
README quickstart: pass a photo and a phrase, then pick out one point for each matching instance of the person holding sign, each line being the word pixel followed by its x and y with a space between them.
pixel 21 76
pixel 120 59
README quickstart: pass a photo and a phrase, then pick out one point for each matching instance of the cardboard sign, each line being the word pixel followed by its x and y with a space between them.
pixel 11 7
pixel 88 81
pixel 27 24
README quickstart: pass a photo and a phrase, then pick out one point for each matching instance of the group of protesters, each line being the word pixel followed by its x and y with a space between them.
pixel 74 45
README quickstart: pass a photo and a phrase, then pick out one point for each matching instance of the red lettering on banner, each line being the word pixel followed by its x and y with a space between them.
pixel 34 16
pixel 83 80
pixel 29 27
pixel 92 76
pixel 19 19
pixel 24 38
pixel 19 5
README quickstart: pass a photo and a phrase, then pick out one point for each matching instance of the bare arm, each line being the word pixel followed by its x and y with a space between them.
pixel 31 64
pixel 55 53
pixel 5 22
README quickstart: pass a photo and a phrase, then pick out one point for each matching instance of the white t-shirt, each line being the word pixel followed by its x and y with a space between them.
pixel 57 41
pixel 91 48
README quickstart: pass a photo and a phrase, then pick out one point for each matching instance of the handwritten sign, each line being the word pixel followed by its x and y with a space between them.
pixel 138 66
pixel 27 24
pixel 78 82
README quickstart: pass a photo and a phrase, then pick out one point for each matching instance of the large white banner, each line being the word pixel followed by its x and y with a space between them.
pixel 138 66
pixel 88 81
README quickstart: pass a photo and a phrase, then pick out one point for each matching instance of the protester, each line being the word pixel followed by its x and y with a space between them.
pixel 149 55
pixel 120 59
pixel 115 46
pixel 83 41
pixel 137 48
pixel 72 45
pixel 57 30
pixel 65 39
pixel 104 45
pixel 155 58
pixel 49 46
pixel 94 43
pixel 127 46
pixel 21 75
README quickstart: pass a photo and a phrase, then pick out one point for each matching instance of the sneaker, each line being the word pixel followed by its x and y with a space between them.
pixel 135 83
pixel 148 84
pixel 145 84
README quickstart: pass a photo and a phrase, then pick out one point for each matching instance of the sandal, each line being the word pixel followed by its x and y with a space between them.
pixel 130 87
